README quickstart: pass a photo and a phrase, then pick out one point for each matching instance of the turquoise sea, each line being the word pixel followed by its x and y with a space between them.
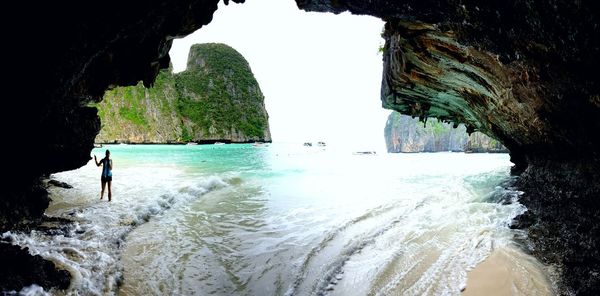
pixel 281 219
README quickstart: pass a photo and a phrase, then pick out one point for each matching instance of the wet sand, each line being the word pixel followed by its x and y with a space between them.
pixel 508 272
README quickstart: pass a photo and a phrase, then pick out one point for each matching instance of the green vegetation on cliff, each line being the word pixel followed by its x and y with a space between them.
pixel 405 134
pixel 216 98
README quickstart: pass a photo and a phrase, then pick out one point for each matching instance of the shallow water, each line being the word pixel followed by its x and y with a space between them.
pixel 282 219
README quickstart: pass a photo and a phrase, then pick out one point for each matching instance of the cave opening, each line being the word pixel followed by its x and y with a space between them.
pixel 337 104
pixel 507 70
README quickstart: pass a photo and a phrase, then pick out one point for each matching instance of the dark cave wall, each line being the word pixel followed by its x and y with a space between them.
pixel 523 72
pixel 62 56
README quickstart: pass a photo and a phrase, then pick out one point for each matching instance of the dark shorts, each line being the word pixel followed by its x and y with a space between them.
pixel 106 179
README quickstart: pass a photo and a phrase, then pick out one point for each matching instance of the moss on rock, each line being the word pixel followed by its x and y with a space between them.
pixel 216 98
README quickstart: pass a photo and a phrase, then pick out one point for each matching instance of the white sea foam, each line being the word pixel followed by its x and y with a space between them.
pixel 33 290
pixel 90 249
pixel 312 223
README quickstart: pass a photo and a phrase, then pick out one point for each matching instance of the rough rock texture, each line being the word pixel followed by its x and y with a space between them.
pixel 63 55
pixel 216 98
pixel 406 134
pixel 80 49
pixel 523 72
pixel 19 269
pixel 22 204
pixel 562 221
pixel 60 184
pixel 136 114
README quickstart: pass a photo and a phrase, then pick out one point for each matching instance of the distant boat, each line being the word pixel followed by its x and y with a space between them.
pixel 219 143
pixel 308 144
pixel 192 143
pixel 365 153
pixel 257 144
pixel 321 144
pixel 97 145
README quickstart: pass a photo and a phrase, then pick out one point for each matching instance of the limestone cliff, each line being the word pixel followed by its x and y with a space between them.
pixel 216 98
pixel 405 134
pixel 525 73
pixel 522 71
pixel 80 49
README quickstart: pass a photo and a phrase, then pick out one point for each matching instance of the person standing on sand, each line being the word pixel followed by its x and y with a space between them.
pixel 106 177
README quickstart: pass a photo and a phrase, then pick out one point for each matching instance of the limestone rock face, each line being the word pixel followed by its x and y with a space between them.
pixel 135 114
pixel 523 72
pixel 80 49
pixel 63 56
pixel 405 134
pixel 20 269
pixel 216 98
pixel 520 71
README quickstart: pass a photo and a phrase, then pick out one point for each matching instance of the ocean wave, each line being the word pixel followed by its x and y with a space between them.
pixel 90 247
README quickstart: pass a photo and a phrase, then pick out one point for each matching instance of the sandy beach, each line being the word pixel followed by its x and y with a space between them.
pixel 507 272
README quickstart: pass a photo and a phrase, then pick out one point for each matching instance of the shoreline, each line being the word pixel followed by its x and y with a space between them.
pixel 507 271
pixel 203 142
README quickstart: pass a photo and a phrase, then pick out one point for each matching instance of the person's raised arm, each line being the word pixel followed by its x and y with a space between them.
pixel 96 160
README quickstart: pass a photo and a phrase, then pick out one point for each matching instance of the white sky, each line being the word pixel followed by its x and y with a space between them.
pixel 320 73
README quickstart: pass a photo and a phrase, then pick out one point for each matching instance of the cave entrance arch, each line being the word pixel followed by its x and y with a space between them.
pixel 525 78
